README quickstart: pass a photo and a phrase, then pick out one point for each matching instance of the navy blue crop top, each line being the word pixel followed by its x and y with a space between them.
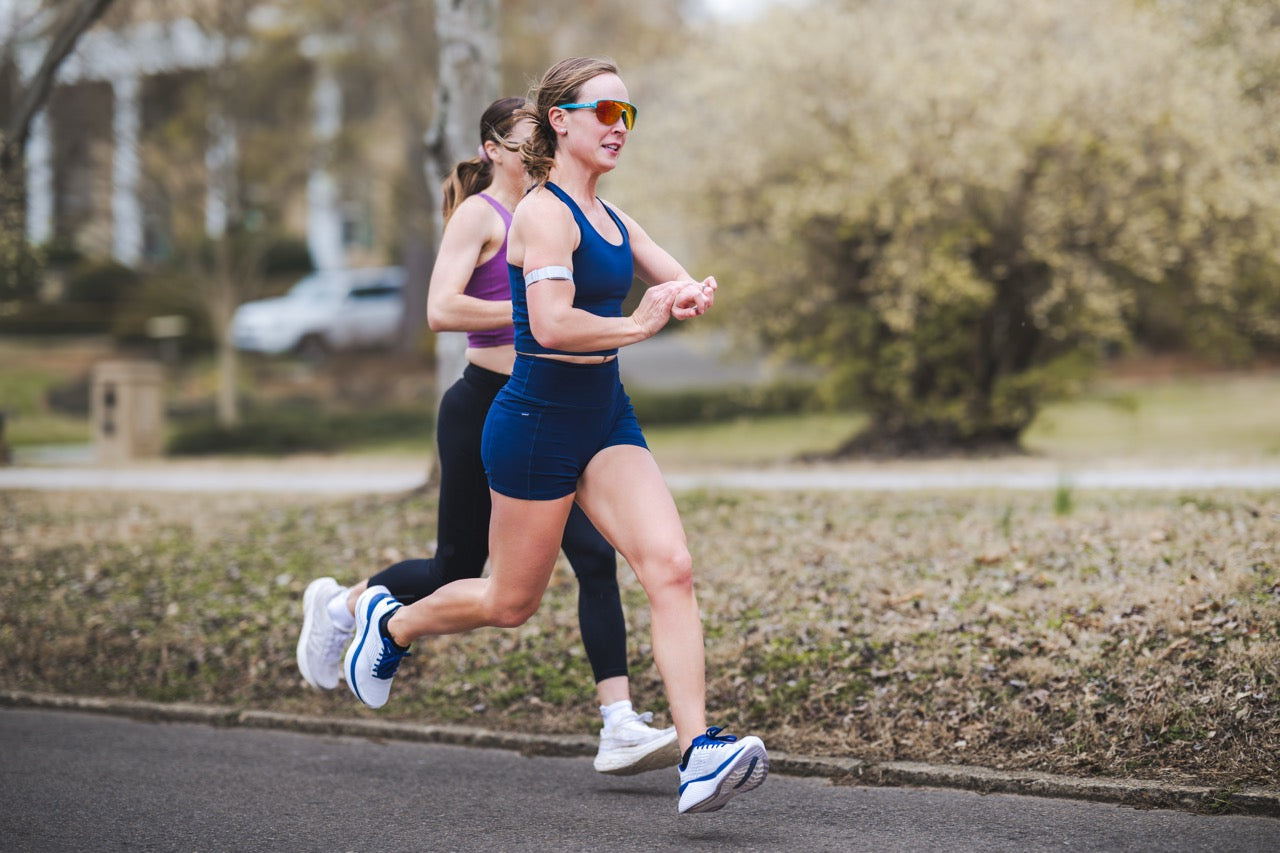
pixel 602 276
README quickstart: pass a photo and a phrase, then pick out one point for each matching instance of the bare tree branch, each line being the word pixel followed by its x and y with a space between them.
pixel 75 21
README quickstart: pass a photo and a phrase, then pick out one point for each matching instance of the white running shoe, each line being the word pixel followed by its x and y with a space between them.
pixel 717 767
pixel 632 746
pixel 372 658
pixel 321 642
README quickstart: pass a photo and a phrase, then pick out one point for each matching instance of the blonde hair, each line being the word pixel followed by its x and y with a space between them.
pixel 560 85
pixel 471 176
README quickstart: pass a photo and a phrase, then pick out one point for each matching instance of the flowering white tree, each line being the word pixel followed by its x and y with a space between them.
pixel 954 206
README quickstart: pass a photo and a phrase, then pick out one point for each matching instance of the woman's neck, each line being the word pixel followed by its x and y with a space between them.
pixel 504 191
pixel 579 183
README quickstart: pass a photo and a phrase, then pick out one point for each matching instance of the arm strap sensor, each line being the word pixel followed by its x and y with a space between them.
pixel 547 272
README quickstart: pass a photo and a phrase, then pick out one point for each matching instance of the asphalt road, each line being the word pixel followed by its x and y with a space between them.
pixel 76 781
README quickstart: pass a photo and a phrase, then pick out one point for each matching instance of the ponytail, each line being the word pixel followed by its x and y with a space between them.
pixel 467 178
pixel 471 176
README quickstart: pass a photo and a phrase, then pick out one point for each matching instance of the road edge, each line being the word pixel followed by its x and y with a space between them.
pixel 840 771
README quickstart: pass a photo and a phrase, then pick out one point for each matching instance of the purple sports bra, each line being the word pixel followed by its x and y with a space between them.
pixel 490 281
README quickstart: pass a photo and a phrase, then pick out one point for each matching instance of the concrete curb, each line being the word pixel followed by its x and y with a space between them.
pixel 840 771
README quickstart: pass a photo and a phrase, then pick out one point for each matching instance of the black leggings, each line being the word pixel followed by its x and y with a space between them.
pixel 462 534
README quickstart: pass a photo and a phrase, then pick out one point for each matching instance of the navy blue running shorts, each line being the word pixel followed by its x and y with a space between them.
pixel 549 421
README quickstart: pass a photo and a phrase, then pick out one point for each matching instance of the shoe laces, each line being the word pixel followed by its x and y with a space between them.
pixel 714 738
pixel 389 660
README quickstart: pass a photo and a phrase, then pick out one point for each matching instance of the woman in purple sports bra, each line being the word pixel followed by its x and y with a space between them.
pixel 470 292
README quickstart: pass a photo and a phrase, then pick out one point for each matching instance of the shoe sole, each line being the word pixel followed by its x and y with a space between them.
pixel 664 752
pixel 748 771
pixel 313 589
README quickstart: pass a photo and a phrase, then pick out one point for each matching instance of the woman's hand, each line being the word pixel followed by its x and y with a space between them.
pixel 657 306
pixel 694 298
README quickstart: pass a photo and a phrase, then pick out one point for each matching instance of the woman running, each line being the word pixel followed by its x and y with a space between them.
pixel 562 429
pixel 470 292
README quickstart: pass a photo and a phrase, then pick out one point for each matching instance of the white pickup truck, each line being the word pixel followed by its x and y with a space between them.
pixel 327 311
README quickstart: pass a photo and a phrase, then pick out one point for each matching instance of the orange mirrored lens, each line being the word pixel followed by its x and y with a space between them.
pixel 610 111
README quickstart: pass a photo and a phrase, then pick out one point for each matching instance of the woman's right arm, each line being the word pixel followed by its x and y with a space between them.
pixel 449 309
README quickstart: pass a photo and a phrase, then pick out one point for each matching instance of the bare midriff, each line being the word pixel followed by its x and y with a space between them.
pixel 497 359
pixel 573 359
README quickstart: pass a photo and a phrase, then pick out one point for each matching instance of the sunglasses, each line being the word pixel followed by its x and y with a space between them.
pixel 608 111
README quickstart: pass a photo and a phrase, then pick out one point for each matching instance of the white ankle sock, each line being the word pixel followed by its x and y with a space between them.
pixel 338 612
pixel 615 712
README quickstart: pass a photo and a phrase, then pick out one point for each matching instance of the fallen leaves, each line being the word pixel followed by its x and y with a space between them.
pixel 981 628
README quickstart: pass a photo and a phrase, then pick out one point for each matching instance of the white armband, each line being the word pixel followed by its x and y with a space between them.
pixel 547 272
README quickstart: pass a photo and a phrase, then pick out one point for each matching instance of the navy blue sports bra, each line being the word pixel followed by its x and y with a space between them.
pixel 602 277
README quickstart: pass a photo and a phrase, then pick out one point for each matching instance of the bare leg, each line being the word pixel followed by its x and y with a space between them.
pixel 624 494
pixel 616 689
pixel 354 593
pixel 524 539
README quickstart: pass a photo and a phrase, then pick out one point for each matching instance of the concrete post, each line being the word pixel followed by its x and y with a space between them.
pixel 127 410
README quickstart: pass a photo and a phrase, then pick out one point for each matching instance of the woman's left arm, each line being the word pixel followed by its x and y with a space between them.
pixel 655 265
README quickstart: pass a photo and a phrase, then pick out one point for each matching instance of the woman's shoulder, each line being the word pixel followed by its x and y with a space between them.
pixel 541 202
pixel 475 205
pixel 476 214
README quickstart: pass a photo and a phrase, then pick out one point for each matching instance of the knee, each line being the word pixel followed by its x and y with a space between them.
pixel 670 573
pixel 512 614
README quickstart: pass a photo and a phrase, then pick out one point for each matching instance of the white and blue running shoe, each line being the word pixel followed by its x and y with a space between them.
pixel 632 746
pixel 718 767
pixel 372 659
pixel 320 642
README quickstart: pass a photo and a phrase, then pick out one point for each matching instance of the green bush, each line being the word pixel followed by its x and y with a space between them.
pixel 101 283
pixel 721 404
pixel 301 425
pixel 164 294
pixel 55 318
pixel 93 292
pixel 286 256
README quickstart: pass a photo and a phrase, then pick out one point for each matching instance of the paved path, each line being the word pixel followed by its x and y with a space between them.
pixel 377 475
pixel 75 781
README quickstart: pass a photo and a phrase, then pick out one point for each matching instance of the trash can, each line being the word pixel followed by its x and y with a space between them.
pixel 127 410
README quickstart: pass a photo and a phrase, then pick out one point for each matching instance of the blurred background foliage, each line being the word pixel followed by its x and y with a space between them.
pixel 956 211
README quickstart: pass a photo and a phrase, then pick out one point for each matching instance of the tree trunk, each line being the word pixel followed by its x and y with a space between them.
pixel 73 23
pixel 418 227
pixel 228 404
pixel 467 33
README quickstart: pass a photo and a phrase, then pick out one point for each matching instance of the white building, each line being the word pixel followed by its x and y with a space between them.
pixel 83 166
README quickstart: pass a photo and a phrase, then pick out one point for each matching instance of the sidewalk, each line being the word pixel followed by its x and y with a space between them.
pixel 349 475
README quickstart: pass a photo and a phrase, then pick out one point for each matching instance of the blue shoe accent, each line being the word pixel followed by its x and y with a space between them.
pixel 372 660
pixel 713 774
pixel 717 766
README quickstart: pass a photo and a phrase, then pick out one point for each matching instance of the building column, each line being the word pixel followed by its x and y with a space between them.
pixel 220 166
pixel 126 210
pixel 324 218
pixel 39 155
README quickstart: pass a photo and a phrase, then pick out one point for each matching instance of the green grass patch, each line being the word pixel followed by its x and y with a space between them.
pixel 1230 414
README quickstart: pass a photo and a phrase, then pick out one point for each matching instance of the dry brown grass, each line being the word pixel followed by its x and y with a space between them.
pixel 1136 635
